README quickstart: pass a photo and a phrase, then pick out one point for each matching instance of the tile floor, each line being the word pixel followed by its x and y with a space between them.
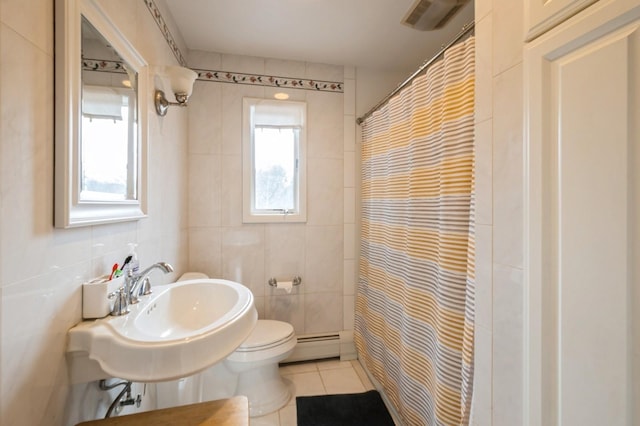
pixel 316 378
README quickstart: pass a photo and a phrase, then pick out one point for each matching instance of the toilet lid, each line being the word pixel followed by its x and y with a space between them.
pixel 267 333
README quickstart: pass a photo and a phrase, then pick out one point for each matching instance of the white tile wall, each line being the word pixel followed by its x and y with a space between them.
pixel 325 72
pixel 231 117
pixel 349 206
pixel 484 171
pixel 203 60
pixel 26 156
pixel 252 254
pixel 243 251
pixel 483 377
pixel 482 8
pixel 243 64
pixel 507 167
pixel 351 212
pixel 286 307
pixel 325 134
pixel 42 268
pixel 323 262
pixel 231 198
pixel 499 194
pixel 205 183
pixel 507 346
pixel 325 195
pixel 484 277
pixel 349 312
pixel 283 68
pixel 32 20
pixel 205 134
pixel 205 250
pixel 508 34
pixel 323 312
pixel 350 266
pixel 484 67
pixel 285 253
pixel 349 169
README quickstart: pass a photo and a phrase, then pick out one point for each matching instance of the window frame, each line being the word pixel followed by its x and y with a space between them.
pixel 249 213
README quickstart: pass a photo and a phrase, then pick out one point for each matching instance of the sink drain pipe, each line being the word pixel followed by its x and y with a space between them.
pixel 118 403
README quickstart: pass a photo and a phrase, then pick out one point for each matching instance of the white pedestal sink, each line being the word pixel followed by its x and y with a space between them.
pixel 177 331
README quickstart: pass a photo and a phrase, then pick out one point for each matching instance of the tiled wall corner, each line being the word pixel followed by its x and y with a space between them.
pixel 253 253
pixel 350 222
pixel 482 414
pixel 482 380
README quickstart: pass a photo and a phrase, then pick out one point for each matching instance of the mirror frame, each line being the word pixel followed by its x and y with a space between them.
pixel 69 211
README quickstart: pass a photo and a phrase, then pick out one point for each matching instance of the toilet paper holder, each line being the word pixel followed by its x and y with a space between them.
pixel 297 280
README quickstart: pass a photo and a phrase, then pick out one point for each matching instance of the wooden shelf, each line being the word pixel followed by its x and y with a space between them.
pixel 224 412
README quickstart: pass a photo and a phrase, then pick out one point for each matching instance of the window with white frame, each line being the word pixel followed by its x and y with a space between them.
pixel 274 169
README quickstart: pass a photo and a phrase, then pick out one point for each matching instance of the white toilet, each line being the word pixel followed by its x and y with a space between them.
pixel 255 363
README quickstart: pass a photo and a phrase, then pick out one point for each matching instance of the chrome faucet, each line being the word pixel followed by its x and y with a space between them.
pixel 133 282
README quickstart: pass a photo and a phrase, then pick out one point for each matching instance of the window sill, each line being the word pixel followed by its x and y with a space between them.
pixel 274 218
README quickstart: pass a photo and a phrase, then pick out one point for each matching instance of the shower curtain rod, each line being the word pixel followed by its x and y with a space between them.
pixel 465 29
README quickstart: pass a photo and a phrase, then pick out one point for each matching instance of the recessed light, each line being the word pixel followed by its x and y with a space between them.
pixel 281 96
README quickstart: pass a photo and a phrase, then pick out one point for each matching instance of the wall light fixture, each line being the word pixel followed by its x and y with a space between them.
pixel 182 80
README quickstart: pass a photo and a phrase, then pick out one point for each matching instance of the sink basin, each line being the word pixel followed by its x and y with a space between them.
pixel 177 331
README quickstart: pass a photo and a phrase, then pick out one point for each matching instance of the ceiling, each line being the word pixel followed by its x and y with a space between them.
pixel 361 33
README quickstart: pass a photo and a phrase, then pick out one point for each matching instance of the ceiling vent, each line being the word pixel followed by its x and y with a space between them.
pixel 425 15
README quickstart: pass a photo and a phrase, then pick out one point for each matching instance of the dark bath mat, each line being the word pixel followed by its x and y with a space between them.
pixel 355 409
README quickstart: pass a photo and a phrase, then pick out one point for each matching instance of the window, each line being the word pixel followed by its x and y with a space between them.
pixel 108 153
pixel 274 170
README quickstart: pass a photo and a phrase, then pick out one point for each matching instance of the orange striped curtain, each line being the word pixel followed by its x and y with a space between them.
pixel 415 299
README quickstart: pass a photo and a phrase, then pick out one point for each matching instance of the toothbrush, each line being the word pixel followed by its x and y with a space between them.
pixel 126 261
pixel 119 271
pixel 114 268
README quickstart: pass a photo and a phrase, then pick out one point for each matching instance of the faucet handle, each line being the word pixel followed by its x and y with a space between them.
pixel 145 287
pixel 121 304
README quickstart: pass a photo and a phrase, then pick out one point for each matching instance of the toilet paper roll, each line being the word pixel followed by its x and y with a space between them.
pixel 285 285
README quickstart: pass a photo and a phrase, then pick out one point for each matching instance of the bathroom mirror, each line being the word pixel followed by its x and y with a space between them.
pixel 101 119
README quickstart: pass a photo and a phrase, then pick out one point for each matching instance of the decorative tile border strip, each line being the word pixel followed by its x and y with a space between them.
pixel 271 81
pixel 240 78
pixel 164 29
pixel 102 65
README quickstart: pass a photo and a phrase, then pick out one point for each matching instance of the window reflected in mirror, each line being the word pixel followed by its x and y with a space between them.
pixel 108 151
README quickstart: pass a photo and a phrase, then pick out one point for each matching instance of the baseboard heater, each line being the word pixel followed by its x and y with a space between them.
pixel 321 346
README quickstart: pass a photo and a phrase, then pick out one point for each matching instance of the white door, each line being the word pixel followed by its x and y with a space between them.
pixel 583 219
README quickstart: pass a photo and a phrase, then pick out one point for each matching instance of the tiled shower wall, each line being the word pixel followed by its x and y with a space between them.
pixel 498 386
pixel 321 250
pixel 41 268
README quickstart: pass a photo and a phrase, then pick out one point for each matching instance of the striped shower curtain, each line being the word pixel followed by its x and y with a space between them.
pixel 415 299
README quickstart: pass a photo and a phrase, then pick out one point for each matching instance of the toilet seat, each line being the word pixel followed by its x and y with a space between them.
pixel 267 334
pixel 270 341
pixel 193 276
